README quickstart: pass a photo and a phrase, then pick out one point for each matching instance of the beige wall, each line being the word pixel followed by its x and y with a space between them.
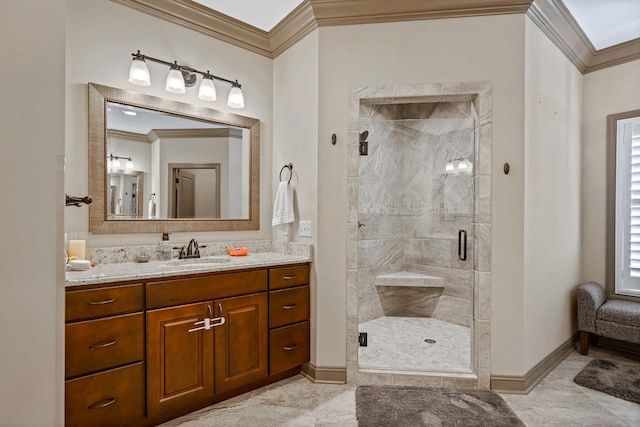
pixel 447 50
pixel 295 130
pixel 553 114
pixel 31 258
pixel 101 35
pixel 609 91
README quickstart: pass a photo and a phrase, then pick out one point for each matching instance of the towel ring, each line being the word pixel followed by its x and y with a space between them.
pixel 290 167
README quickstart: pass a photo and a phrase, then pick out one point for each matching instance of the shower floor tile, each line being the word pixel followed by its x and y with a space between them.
pixel 398 343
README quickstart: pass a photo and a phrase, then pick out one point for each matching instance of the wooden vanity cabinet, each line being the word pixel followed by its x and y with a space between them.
pixel 179 362
pixel 289 312
pixel 241 346
pixel 131 359
pixel 104 356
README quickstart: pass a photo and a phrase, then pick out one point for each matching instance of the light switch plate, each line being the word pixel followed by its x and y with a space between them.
pixel 304 229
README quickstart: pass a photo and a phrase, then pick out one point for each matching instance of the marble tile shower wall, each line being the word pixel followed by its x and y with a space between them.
pixel 411 211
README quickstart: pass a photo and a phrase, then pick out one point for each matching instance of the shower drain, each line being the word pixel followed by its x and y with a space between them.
pixel 430 341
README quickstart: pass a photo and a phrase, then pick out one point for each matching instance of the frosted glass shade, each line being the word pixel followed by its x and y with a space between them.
pixel 207 90
pixel 175 82
pixel 236 99
pixel 139 73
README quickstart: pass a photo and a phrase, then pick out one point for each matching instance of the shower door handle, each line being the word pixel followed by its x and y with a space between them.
pixel 462 245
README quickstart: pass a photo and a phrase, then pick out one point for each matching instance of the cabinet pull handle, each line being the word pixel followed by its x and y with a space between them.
pixel 209 309
pixel 107 301
pixel 220 309
pixel 290 347
pixel 104 344
pixel 289 306
pixel 103 403
pixel 289 277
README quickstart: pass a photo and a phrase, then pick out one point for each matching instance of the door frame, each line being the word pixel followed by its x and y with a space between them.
pixel 171 199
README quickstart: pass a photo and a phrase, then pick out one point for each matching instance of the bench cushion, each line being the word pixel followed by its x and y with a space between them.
pixel 623 312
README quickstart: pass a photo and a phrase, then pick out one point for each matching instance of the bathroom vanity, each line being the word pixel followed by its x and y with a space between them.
pixel 166 339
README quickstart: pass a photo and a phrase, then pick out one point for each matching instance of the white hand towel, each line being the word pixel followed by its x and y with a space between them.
pixel 283 206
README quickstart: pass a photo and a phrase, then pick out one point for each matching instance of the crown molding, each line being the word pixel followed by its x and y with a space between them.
pixel 198 18
pixel 349 12
pixel 130 136
pixel 555 21
pixel 551 16
pixel 297 24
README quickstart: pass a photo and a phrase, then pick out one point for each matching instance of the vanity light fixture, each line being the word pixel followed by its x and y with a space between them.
pixel 114 162
pixel 181 77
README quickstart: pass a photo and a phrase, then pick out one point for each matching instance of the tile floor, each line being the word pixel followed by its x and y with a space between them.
pixel 398 344
pixel 556 401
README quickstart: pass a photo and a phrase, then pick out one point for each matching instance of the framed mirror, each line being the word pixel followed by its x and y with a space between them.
pixel 165 166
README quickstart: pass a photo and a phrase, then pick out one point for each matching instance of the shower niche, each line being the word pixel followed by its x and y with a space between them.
pixel 415 269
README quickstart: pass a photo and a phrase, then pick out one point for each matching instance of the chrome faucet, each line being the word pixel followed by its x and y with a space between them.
pixel 190 250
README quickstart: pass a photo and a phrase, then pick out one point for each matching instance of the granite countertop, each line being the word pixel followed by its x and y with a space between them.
pixel 125 271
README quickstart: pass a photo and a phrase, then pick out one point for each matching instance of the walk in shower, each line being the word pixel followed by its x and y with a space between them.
pixel 415 236
pixel 419 234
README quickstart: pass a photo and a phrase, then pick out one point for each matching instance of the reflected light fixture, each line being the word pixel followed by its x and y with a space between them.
pixel 458 166
pixel 181 77
pixel 114 162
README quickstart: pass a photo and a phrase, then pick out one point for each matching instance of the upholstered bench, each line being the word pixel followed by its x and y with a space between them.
pixel 615 319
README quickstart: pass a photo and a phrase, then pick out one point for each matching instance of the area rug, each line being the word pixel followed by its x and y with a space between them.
pixel 614 378
pixel 389 406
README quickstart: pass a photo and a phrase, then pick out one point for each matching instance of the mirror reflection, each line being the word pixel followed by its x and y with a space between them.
pixel 140 145
pixel 165 166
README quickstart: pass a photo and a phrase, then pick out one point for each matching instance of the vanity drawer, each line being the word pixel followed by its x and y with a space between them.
pixel 184 291
pixel 287 277
pixel 87 304
pixel 288 347
pixel 111 398
pixel 288 306
pixel 93 345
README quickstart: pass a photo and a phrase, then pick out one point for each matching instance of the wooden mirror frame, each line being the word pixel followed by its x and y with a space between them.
pixel 99 223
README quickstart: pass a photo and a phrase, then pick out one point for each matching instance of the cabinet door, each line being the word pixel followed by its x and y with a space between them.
pixel 241 345
pixel 179 362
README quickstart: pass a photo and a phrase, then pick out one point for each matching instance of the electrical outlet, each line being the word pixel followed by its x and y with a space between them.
pixel 285 231
pixel 304 229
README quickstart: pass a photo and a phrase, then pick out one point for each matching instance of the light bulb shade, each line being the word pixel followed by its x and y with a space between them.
pixel 115 163
pixel 175 82
pixel 465 165
pixel 139 73
pixel 449 166
pixel 129 164
pixel 207 90
pixel 236 99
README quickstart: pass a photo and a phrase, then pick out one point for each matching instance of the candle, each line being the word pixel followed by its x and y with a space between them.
pixel 76 249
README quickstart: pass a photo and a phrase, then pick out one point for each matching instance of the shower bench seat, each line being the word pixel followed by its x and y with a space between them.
pixel 409 279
